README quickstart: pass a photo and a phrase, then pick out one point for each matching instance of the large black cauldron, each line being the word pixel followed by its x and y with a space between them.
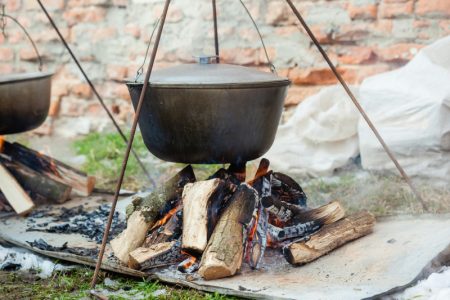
pixel 210 113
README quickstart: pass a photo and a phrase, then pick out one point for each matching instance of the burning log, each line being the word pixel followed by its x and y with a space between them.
pixel 166 229
pixel 157 255
pixel 224 252
pixel 287 189
pixel 143 212
pixel 14 193
pixel 56 170
pixel 189 265
pixel 330 237
pixel 197 198
pixel 41 188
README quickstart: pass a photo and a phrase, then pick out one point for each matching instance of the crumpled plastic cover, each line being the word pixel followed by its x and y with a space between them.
pixel 320 136
pixel 410 107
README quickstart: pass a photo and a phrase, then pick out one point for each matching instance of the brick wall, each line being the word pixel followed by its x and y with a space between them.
pixel 363 37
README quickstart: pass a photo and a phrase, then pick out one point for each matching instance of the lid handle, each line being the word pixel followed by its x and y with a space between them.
pixel 205 59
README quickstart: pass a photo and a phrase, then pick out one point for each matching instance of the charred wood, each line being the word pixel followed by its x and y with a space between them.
pixel 41 188
pixel 224 252
pixel 189 265
pixel 330 237
pixel 288 190
pixel 56 170
pixel 143 212
pixel 157 255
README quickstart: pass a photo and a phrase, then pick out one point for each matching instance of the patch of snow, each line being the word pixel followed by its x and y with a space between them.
pixel 435 287
pixel 24 260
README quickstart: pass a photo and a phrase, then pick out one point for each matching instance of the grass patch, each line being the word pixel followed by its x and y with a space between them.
pixel 381 194
pixel 104 154
pixel 74 284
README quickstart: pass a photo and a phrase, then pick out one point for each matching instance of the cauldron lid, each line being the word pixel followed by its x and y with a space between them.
pixel 17 77
pixel 212 75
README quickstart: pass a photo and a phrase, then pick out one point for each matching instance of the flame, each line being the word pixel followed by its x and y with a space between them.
pixel 251 235
pixel 2 141
pixel 166 217
pixel 190 260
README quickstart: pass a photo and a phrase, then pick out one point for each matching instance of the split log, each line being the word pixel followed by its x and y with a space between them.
pixel 157 255
pixel 14 193
pixel 143 212
pixel 197 198
pixel 42 189
pixel 330 237
pixel 56 170
pixel 224 252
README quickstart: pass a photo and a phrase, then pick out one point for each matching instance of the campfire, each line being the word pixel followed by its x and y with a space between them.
pixel 213 227
pixel 29 178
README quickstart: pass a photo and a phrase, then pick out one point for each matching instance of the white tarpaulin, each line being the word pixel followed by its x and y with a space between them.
pixel 410 107
pixel 320 137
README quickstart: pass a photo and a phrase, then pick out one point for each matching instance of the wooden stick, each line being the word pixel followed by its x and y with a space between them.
pixel 42 189
pixel 14 193
pixel 196 200
pixel 224 252
pixel 56 170
pixel 330 237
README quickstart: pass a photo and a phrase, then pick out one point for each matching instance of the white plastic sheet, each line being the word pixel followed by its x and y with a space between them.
pixel 410 107
pixel 320 137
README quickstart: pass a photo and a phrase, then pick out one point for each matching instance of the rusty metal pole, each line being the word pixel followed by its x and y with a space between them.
pixel 358 106
pixel 130 143
pixel 216 35
pixel 94 90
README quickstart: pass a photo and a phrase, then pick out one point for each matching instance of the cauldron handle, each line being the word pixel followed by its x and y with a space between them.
pixel 3 15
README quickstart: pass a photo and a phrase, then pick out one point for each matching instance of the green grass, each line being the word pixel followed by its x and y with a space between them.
pixel 104 154
pixel 74 284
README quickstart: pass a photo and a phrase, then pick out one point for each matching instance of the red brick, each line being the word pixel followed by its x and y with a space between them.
pixel 28 54
pixel 297 94
pixel 117 72
pixel 78 3
pixel 312 76
pixel 6 54
pixel 6 68
pixel 352 33
pixel 391 9
pixel 121 91
pixel 12 5
pixel 81 90
pixel 277 13
pixel 433 7
pixel 398 52
pixel 421 23
pixel 356 55
pixel 104 34
pixel 240 56
pixel 84 14
pixel 356 74
pixel 322 34
pixel 286 30
pixel 445 26
pixel 133 30
pixel 365 12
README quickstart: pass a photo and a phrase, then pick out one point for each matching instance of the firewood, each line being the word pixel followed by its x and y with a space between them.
pixel 80 182
pixel 157 255
pixel 41 188
pixel 197 198
pixel 143 212
pixel 330 237
pixel 224 252
pixel 14 193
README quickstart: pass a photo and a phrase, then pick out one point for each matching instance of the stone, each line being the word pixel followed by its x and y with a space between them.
pixel 84 14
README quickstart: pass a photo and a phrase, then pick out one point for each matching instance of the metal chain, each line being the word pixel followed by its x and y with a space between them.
pixel 3 18
pixel 141 68
pixel 269 62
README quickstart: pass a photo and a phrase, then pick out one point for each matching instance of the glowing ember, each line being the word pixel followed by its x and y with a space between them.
pixel 166 217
